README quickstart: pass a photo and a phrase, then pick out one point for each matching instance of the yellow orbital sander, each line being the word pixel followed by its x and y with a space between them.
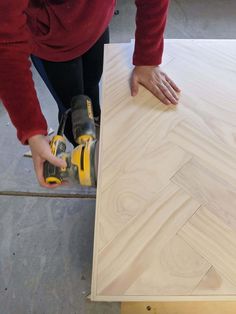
pixel 82 162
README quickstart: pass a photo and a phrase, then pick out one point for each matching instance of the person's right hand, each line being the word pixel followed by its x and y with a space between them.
pixel 39 145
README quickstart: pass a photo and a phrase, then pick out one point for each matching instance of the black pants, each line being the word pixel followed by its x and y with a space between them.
pixel 70 78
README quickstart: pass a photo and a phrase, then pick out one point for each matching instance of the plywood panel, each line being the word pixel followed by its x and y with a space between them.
pixel 165 221
pixel 209 186
pixel 214 283
pixel 177 268
pixel 119 265
pixel 132 193
pixel 210 237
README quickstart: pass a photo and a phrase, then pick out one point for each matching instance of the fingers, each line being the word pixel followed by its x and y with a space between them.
pixel 172 84
pixel 155 81
pixel 38 166
pixel 58 162
pixel 41 152
pixel 134 86
pixel 54 161
pixel 171 90
pixel 169 95
pixel 46 154
pixel 160 94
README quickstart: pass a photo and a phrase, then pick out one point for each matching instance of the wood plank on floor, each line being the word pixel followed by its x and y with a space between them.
pixel 178 308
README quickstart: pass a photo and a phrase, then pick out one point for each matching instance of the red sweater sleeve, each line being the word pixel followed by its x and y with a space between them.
pixel 150 21
pixel 16 84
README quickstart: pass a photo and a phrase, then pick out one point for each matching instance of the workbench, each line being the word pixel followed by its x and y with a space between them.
pixel 165 227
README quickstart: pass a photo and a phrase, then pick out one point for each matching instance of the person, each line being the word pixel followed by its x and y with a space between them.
pixel 65 39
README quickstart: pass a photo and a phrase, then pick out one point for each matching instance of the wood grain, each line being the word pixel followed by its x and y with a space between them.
pixel 146 233
pixel 214 283
pixel 211 187
pixel 165 216
pixel 214 240
pixel 176 269
pixel 132 195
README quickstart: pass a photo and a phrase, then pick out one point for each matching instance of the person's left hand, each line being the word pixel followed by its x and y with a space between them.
pixel 157 82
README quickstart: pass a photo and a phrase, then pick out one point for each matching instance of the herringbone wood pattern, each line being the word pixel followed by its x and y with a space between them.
pixel 166 199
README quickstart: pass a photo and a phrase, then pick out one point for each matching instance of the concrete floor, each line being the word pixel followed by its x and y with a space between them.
pixel 187 19
pixel 46 243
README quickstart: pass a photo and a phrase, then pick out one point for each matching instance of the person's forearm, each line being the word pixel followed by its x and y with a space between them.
pixel 16 84
pixel 18 95
pixel 151 21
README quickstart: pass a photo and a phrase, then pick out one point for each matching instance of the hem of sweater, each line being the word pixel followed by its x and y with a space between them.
pixel 24 139
pixel 55 55
pixel 60 56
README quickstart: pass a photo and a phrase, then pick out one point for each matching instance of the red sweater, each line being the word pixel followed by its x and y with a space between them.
pixel 58 33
